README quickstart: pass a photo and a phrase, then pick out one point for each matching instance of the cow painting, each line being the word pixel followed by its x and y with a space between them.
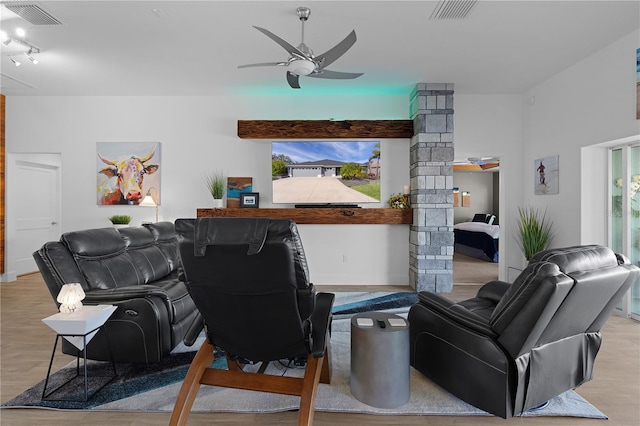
pixel 124 178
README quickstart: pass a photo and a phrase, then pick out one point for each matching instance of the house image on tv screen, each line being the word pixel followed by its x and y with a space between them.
pixel 342 172
pixel 328 167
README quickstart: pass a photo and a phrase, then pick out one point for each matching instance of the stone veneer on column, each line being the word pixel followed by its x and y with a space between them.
pixel 431 172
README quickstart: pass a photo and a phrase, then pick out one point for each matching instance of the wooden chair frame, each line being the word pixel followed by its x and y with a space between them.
pixel 199 373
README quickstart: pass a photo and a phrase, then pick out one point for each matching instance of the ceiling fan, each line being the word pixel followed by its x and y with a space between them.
pixel 302 61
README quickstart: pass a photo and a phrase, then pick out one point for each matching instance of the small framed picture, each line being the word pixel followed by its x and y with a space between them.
pixel 249 199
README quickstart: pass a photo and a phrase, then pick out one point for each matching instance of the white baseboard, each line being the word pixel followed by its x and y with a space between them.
pixel 8 277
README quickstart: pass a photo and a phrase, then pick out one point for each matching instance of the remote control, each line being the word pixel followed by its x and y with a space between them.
pixel 381 324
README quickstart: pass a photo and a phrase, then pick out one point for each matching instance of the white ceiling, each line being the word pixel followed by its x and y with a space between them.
pixel 194 47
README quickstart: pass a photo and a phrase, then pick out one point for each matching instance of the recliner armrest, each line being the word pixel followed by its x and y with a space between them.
pixel 320 322
pixel 455 312
pixel 493 290
pixel 194 330
pixel 125 293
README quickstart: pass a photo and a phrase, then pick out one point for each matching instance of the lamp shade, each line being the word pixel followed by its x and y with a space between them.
pixel 148 201
pixel 70 298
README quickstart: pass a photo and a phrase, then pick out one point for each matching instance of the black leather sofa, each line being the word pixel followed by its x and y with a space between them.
pixel 515 346
pixel 135 268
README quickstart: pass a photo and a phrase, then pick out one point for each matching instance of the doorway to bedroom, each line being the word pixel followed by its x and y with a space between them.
pixel 476 183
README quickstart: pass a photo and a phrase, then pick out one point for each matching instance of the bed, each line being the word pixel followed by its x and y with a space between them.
pixel 477 239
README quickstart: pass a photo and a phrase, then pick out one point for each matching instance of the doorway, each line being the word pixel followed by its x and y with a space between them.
pixel 477 179
pixel 624 219
pixel 33 186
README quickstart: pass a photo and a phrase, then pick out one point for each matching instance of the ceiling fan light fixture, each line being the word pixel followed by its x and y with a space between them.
pixel 301 67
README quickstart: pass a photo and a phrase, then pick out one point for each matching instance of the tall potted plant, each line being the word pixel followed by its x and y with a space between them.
pixel 534 231
pixel 215 182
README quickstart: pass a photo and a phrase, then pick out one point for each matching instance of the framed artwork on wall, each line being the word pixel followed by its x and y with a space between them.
pixel 126 172
pixel 546 175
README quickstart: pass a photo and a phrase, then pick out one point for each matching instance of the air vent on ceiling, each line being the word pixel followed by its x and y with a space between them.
pixel 452 9
pixel 32 13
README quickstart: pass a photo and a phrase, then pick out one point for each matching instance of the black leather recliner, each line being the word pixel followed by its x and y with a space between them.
pixel 515 346
pixel 250 281
pixel 135 268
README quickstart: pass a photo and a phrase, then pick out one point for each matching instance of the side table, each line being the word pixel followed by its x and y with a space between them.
pixel 380 359
pixel 79 328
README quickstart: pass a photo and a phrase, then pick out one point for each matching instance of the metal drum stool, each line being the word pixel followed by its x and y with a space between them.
pixel 380 359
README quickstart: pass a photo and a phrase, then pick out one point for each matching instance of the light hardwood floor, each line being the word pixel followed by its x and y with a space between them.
pixel 26 348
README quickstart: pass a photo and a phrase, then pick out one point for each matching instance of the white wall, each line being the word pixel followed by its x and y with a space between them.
pixel 199 134
pixel 590 103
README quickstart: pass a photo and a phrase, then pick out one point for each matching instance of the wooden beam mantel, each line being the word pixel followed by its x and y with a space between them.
pixel 339 216
pixel 325 129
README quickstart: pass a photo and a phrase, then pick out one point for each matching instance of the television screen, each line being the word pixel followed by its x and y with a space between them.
pixel 325 172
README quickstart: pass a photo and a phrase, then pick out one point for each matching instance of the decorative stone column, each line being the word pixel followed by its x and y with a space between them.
pixel 431 172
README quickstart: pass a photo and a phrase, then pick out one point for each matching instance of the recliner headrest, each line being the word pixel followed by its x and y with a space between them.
pixel 161 231
pixel 94 242
pixel 230 231
pixel 577 258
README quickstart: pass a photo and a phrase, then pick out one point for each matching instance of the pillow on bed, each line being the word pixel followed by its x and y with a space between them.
pixel 480 217
pixel 483 217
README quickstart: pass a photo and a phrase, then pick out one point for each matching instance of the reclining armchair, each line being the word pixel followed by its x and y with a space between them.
pixel 515 346
pixel 249 279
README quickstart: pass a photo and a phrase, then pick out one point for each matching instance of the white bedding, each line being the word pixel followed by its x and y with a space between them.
pixel 492 230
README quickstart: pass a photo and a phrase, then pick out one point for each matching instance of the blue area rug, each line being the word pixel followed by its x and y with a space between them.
pixel 154 387
pixel 353 303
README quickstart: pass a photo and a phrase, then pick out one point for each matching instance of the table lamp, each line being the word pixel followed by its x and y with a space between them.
pixel 70 298
pixel 148 201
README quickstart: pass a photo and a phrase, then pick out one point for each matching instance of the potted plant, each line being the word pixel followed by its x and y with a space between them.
pixel 215 183
pixel 398 201
pixel 534 231
pixel 120 220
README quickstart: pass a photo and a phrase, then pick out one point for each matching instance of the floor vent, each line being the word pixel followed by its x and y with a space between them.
pixel 32 13
pixel 452 9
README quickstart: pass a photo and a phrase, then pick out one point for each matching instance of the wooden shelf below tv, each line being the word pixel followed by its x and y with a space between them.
pixel 316 216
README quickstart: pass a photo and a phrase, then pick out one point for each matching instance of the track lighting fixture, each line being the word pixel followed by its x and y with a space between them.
pixel 19 39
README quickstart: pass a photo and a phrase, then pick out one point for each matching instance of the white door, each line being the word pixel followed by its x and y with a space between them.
pixel 33 207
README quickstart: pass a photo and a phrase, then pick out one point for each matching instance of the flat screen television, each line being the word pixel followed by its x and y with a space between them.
pixel 325 173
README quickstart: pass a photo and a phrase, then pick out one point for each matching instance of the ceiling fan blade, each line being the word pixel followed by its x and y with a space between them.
pixel 286 46
pixel 330 56
pixel 262 64
pixel 338 75
pixel 293 80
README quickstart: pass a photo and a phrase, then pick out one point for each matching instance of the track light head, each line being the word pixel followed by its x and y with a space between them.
pixel 4 37
pixel 31 58
pixel 16 63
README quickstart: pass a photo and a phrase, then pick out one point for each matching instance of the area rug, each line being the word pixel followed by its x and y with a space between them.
pixel 155 387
